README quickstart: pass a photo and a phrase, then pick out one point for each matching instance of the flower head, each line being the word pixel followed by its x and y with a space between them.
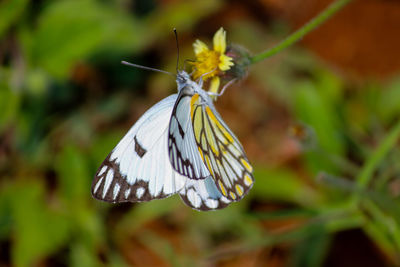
pixel 212 63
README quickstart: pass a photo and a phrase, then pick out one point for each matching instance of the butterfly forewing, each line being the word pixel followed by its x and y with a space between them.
pixel 221 151
pixel 138 168
pixel 183 152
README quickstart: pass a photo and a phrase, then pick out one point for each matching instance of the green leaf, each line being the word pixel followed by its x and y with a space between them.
pixel 81 255
pixel 6 221
pixel 70 31
pixel 75 179
pixel 182 15
pixel 74 176
pixel 284 185
pixel 145 212
pixel 310 251
pixel 315 110
pixel 38 230
pixel 389 102
pixel 10 11
pixel 9 105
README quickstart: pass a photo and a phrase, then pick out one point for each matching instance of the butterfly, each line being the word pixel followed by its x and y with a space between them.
pixel 180 145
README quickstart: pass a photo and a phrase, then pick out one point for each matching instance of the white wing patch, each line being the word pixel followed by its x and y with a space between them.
pixel 140 192
pixel 138 168
pixel 116 190
pixel 203 195
pixel 127 193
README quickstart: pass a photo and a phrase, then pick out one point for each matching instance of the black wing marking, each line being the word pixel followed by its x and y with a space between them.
pixel 112 186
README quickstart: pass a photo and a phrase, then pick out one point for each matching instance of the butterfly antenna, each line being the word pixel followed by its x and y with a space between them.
pixel 146 68
pixel 177 47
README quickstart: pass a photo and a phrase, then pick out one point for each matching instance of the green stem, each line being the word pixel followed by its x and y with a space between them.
pixel 382 227
pixel 297 35
pixel 377 156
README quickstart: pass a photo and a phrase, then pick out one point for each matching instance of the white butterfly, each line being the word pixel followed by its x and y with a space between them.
pixel 180 145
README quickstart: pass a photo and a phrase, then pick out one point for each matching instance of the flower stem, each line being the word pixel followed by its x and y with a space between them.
pixel 297 35
pixel 378 155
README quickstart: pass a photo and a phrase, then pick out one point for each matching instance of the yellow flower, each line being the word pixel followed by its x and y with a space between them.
pixel 211 63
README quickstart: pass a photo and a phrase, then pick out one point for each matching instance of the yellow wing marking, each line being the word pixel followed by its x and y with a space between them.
pixel 211 138
pixel 222 187
pixel 194 99
pixel 239 190
pixel 203 142
pixel 247 180
pixel 196 115
pixel 224 151
pixel 201 154
pixel 246 165
pixel 233 196
pixel 218 124
pixel 209 165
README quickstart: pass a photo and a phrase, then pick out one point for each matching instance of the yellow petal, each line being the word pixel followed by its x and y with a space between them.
pixel 214 84
pixel 199 47
pixel 219 41
pixel 225 62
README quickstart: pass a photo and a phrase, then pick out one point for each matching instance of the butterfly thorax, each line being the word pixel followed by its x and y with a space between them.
pixel 184 82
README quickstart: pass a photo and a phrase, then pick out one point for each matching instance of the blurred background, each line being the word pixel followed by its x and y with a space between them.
pixel 309 119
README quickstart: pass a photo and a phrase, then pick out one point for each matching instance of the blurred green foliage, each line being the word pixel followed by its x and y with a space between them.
pixel 64 105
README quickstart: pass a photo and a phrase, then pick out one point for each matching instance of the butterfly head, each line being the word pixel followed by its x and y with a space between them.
pixel 182 79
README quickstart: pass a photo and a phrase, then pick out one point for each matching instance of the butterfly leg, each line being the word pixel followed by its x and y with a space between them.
pixel 200 80
pixel 223 88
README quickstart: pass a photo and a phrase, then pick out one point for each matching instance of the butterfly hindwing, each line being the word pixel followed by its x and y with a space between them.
pixel 203 195
pixel 138 168
pixel 221 151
